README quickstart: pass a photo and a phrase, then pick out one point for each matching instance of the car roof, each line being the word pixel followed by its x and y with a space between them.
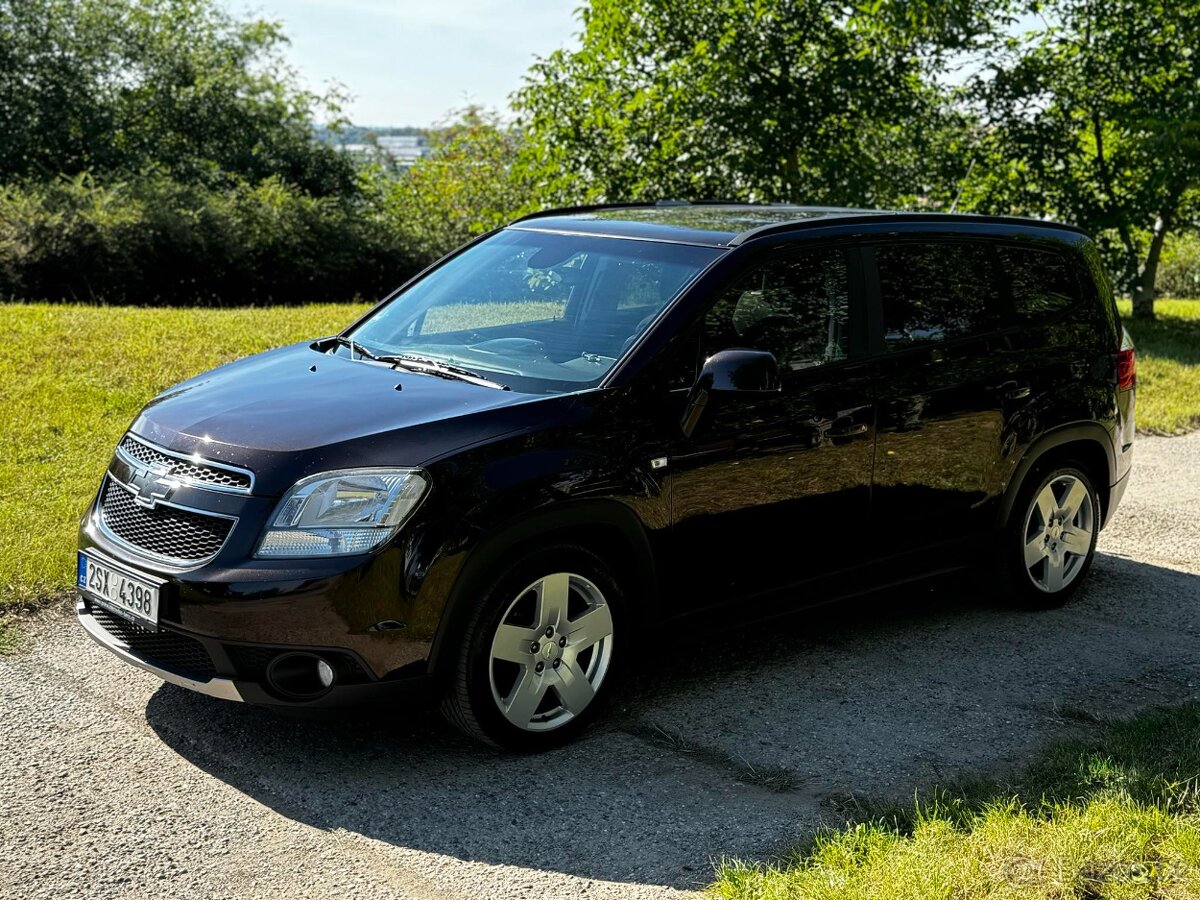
pixel 725 224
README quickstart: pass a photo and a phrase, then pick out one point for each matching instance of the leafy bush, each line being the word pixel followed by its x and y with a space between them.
pixel 1179 271
pixel 153 240
pixel 187 166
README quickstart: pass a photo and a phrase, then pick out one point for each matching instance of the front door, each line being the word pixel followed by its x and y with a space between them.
pixel 773 490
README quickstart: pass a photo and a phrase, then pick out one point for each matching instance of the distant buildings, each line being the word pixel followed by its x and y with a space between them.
pixel 402 149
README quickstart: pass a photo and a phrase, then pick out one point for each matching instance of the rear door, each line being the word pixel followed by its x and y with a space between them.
pixel 941 323
pixel 774 490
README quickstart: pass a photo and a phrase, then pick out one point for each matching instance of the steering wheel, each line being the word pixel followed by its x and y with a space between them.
pixel 637 332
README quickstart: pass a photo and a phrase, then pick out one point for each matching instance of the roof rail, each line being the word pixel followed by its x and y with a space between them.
pixel 811 216
pixel 793 224
pixel 873 216
pixel 636 204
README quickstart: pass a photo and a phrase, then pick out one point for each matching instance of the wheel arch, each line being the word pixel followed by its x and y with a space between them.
pixel 1086 443
pixel 606 527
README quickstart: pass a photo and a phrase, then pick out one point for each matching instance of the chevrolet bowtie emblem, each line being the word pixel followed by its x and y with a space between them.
pixel 152 485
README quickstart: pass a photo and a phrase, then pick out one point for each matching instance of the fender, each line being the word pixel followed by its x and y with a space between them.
pixel 1057 437
pixel 547 522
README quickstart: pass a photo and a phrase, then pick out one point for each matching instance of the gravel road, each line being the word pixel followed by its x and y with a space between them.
pixel 115 785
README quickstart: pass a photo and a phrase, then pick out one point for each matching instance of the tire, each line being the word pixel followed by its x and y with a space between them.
pixel 1049 541
pixel 562 600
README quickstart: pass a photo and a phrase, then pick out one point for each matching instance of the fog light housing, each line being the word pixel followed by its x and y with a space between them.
pixel 300 676
pixel 324 673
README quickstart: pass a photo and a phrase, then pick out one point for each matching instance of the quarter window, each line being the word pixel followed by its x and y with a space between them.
pixel 1041 281
pixel 796 307
pixel 936 291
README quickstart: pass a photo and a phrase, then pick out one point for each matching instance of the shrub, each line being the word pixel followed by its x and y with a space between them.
pixel 1179 271
pixel 152 240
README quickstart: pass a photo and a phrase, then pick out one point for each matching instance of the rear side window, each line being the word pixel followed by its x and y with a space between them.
pixel 936 291
pixel 1041 280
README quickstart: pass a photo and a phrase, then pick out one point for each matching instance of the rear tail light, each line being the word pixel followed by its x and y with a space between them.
pixel 1126 363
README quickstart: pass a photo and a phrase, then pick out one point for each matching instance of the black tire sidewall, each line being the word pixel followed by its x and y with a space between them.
pixel 1021 585
pixel 495 603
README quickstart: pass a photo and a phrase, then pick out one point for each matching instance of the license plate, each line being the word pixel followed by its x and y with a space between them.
pixel 135 598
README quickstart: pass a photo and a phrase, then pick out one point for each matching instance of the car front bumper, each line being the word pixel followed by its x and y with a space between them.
pixel 225 620
pixel 229 672
pixel 216 686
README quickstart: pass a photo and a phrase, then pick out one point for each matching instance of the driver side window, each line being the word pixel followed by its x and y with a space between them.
pixel 796 306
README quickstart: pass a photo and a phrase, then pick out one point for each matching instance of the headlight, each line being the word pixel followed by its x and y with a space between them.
pixel 341 513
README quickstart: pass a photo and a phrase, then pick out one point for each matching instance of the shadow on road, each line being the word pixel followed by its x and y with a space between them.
pixel 731 743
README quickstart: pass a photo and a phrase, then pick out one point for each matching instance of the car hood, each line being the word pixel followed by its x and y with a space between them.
pixel 297 399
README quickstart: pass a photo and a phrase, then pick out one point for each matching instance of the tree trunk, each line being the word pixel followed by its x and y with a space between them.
pixel 1143 289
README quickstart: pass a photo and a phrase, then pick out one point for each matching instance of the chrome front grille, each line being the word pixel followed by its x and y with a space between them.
pixel 181 536
pixel 202 473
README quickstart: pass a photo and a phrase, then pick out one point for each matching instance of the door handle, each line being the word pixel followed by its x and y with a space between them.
pixel 1011 390
pixel 849 430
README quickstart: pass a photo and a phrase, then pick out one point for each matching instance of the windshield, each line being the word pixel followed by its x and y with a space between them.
pixel 542 313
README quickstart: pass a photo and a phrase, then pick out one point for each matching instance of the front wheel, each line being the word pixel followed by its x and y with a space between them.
pixel 539 651
pixel 1051 539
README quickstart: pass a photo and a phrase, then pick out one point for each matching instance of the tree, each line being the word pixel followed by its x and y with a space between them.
pixel 804 100
pixel 1096 119
pixel 161 151
pixel 464 187
pixel 179 86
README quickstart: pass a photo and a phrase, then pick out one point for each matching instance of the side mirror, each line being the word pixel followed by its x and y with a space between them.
pixel 730 372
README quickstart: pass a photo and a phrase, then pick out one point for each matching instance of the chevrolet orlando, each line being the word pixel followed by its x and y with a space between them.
pixel 533 460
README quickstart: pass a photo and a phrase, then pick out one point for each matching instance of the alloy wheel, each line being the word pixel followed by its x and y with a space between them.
pixel 1059 528
pixel 551 652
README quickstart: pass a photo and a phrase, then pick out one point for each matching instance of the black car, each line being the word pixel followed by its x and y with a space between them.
pixel 518 472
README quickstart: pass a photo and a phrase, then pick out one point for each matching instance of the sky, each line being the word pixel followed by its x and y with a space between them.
pixel 410 62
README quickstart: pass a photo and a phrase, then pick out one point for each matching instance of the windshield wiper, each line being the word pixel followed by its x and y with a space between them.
pixel 421 364
pixel 356 347
pixel 441 369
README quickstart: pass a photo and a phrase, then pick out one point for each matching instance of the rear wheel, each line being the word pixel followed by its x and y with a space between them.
pixel 1051 538
pixel 538 654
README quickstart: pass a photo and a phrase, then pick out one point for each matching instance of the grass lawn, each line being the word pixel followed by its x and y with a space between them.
pixel 1114 815
pixel 73 377
pixel 1168 355
pixel 71 380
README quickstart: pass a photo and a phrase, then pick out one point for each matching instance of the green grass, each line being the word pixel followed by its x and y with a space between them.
pixel 71 380
pixel 1168 355
pixel 464 316
pixel 1114 815
pixel 73 377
